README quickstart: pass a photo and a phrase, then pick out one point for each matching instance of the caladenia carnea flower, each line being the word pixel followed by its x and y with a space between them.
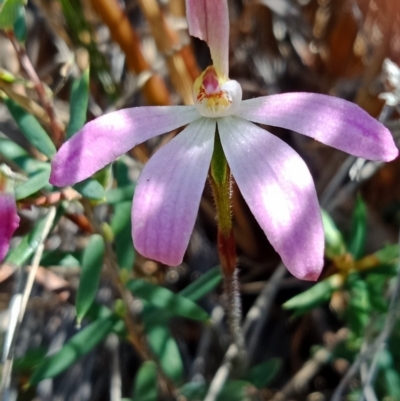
pixel 9 219
pixel 273 179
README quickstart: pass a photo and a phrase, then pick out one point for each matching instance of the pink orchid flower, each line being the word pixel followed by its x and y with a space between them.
pixel 273 179
pixel 9 219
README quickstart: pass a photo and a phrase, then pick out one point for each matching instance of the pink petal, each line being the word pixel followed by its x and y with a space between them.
pixel 277 186
pixel 104 139
pixel 168 193
pixel 9 222
pixel 209 21
pixel 330 120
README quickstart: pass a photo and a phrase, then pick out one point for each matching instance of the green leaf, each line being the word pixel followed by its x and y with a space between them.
pixel 234 390
pixel 34 183
pixel 163 298
pixel 389 254
pixel 359 308
pixel 20 29
pixel 166 350
pixel 90 189
pixel 79 99
pixel 9 11
pixel 122 229
pixel 21 254
pixel 92 264
pixel 120 194
pixel 31 129
pixel 316 295
pixel 203 285
pixel 145 388
pixel 334 242
pixel 57 257
pixel 11 151
pixel 358 232
pixel 30 360
pixel 261 375
pixel 76 347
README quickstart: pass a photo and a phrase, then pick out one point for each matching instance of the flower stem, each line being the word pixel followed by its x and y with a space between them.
pixel 221 183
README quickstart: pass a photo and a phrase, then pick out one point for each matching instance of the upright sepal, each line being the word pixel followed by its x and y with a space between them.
pixel 209 21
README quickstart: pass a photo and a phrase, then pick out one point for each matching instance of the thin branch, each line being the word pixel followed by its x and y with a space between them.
pixel 57 134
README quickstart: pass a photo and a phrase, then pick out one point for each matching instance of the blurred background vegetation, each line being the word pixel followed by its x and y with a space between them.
pixel 84 317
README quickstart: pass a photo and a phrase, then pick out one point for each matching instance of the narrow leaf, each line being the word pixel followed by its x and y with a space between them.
pixel 122 228
pixel 34 183
pixel 20 29
pixel 76 347
pixel 31 129
pixel 9 11
pixel 317 294
pixel 203 285
pixel 90 189
pixel 358 231
pixel 21 254
pixel 11 151
pixel 163 298
pixel 334 242
pixel 145 388
pixel 79 99
pixel 120 194
pixel 261 375
pixel 92 264
pixel 166 350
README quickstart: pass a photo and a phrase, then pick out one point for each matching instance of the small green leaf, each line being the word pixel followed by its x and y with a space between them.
pixel 9 11
pixel 203 285
pixel 31 129
pixel 30 360
pixel 166 350
pixel 90 189
pixel 261 375
pixel 57 257
pixel 234 390
pixel 163 298
pixel 359 306
pixel 34 183
pixel 6 76
pixel 21 254
pixel 145 388
pixel 76 347
pixel 122 228
pixel 316 295
pixel 388 254
pixel 120 194
pixel 11 151
pixel 92 264
pixel 20 29
pixel 358 232
pixel 334 242
pixel 79 99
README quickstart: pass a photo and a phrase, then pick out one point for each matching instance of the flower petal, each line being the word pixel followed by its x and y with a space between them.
pixel 330 120
pixel 9 222
pixel 168 193
pixel 102 140
pixel 209 21
pixel 277 186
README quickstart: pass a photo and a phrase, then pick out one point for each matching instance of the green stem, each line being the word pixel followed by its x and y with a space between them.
pixel 221 183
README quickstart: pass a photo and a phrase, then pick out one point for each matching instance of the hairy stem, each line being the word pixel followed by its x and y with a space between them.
pixel 220 178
